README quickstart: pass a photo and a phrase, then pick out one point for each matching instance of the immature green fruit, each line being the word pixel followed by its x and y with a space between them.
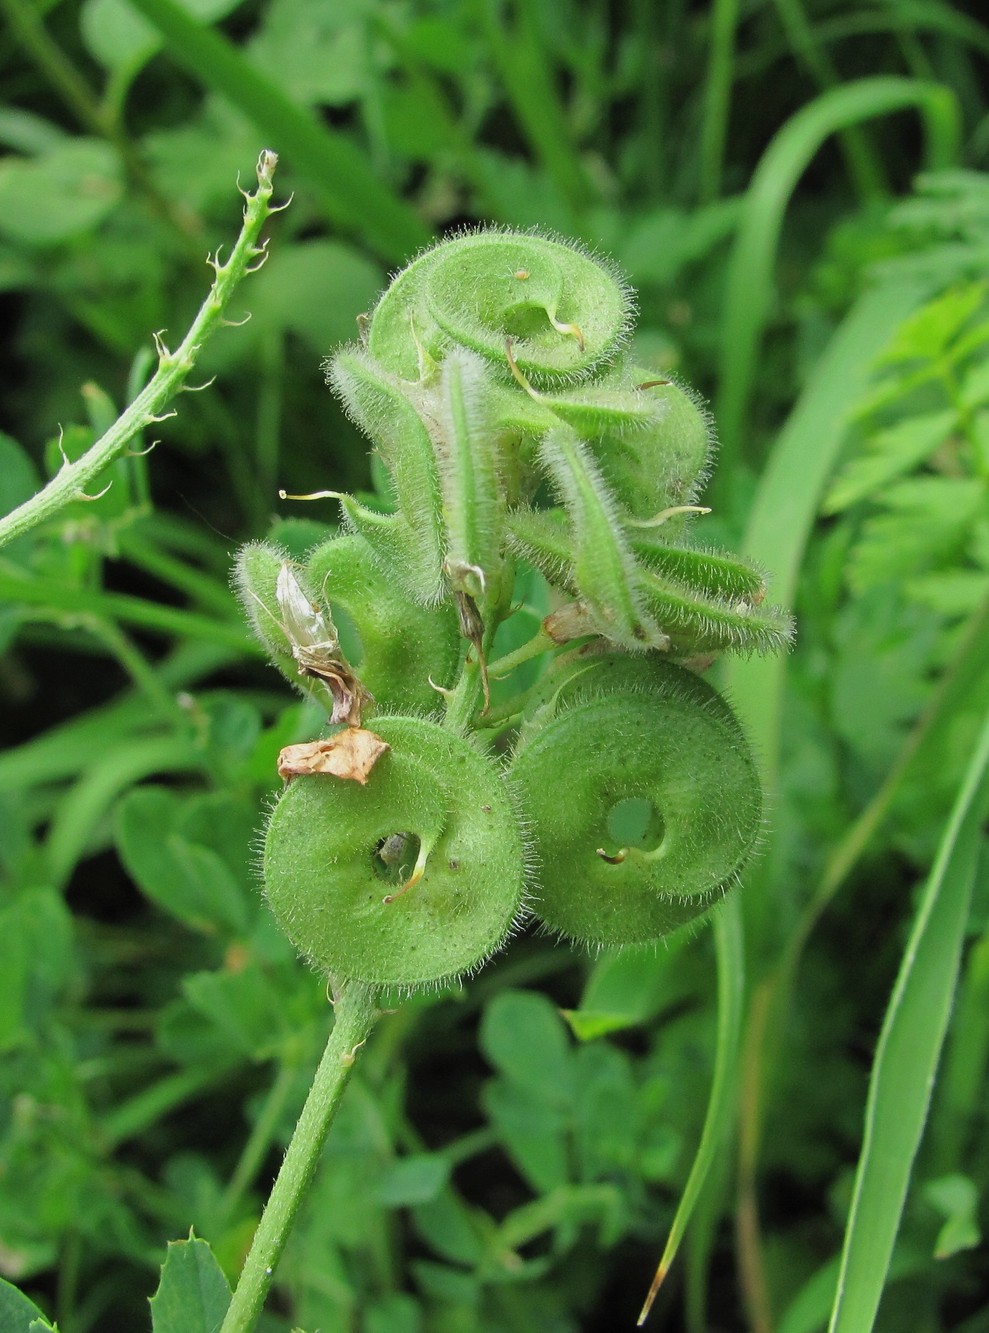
pixel 378 404
pixel 402 647
pixel 666 463
pixel 661 805
pixel 604 569
pixel 701 601
pixel 345 609
pixel 297 630
pixel 566 312
pixel 412 879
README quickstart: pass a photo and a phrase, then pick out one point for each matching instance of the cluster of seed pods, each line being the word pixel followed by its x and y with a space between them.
pixel 494 383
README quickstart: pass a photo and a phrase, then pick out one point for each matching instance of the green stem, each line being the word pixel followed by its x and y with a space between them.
pixel 539 643
pixel 70 481
pixel 355 1016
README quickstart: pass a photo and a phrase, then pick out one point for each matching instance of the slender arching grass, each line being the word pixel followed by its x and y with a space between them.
pixel 749 285
pixel 908 1052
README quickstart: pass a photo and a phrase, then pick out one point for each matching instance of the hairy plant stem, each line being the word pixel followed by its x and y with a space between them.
pixel 354 1016
pixel 70 481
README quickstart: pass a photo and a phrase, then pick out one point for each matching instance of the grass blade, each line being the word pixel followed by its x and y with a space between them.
pixel 907 1056
pixel 729 942
pixel 749 286
pixel 786 503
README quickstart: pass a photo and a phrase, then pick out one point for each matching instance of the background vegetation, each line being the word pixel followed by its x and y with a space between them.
pixel 795 188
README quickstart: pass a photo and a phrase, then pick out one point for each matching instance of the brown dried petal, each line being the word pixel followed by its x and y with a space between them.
pixel 350 754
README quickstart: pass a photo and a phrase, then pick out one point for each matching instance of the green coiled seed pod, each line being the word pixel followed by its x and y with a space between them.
pixel 377 403
pixel 394 645
pixel 567 312
pixel 665 463
pixel 402 646
pixel 663 802
pixel 410 880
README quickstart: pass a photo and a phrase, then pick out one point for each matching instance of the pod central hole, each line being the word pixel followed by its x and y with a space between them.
pixel 635 822
pixel 525 321
pixel 395 857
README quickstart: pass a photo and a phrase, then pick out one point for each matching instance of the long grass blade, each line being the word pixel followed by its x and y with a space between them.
pixel 907 1055
pixel 749 285
pixel 786 503
pixel 729 943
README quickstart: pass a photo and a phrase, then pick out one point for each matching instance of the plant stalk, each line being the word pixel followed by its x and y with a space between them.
pixel 71 480
pixel 355 1015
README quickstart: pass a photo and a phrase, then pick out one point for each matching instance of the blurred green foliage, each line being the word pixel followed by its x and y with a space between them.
pixel 797 192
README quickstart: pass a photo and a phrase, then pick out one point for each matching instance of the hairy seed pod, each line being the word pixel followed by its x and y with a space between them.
pixel 400 647
pixel 703 601
pixel 604 569
pixel 716 573
pixel 567 312
pixel 377 403
pixel 663 803
pixel 665 464
pixel 298 632
pixel 470 481
pixel 412 879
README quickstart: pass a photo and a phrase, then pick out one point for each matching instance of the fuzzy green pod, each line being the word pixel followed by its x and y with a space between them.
pixel 403 651
pixel 410 880
pixel 296 629
pixel 467 461
pixel 664 464
pixel 604 569
pixel 379 405
pixel 566 312
pixel 663 803
pixel 703 601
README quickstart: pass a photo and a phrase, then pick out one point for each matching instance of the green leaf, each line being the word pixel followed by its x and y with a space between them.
pixel 61 194
pixel 18 476
pixel 449 1228
pixel 908 1053
pixel 243 1005
pixel 524 1037
pixel 322 50
pixel 957 1199
pixel 184 878
pixel 927 334
pixel 605 1112
pixel 413 1180
pixel 36 929
pixel 626 989
pixel 889 453
pixel 121 39
pixel 533 1133
pixel 17 1313
pixel 193 1294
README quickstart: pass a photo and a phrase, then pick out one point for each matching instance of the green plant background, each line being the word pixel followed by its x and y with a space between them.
pixel 796 190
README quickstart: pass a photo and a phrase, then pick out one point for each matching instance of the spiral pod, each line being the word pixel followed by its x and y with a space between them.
pixel 663 804
pixel 410 880
pixel 665 464
pixel 345 609
pixel 567 312
pixel 403 651
pixel 414 541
